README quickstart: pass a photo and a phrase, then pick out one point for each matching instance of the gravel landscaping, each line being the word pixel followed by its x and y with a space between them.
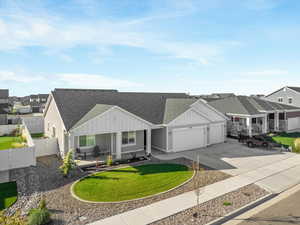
pixel 45 179
pixel 216 208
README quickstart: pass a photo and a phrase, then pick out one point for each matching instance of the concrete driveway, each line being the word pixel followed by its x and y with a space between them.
pixel 233 157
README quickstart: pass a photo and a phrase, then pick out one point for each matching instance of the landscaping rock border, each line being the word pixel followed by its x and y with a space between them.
pixel 214 209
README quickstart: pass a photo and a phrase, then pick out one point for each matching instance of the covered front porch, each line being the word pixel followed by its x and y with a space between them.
pixel 114 132
pixel 120 145
pixel 248 125
pixel 277 121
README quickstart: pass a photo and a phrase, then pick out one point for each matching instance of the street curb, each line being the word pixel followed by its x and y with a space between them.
pixel 242 210
pixel 250 209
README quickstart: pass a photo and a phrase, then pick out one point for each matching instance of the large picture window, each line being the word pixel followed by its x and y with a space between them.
pixel 87 140
pixel 128 138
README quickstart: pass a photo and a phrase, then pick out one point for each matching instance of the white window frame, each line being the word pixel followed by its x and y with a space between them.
pixel 129 144
pixel 280 98
pixel 290 98
pixel 87 146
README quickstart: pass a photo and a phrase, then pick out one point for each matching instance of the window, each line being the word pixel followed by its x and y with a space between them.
pixel 290 100
pixel 280 99
pixel 87 140
pixel 128 138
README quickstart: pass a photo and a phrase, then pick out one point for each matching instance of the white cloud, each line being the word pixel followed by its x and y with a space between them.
pixel 268 72
pixel 55 33
pixel 78 80
pixel 18 77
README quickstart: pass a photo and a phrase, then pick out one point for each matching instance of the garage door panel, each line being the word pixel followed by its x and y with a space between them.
pixel 216 133
pixel 294 123
pixel 189 138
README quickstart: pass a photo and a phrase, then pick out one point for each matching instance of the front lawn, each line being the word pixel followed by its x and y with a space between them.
pixel 7 142
pixel 131 182
pixel 286 139
pixel 8 194
pixel 37 135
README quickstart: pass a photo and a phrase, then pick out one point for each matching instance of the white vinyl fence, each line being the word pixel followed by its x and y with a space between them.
pixel 18 157
pixel 35 124
pixel 45 146
pixel 7 129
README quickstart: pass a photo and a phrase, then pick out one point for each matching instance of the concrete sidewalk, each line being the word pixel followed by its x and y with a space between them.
pixel 276 178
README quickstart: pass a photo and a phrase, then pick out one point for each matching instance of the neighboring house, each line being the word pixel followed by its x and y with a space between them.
pixel 127 123
pixel 286 95
pixel 19 108
pixel 252 116
pixel 215 96
pixel 4 107
pixel 38 102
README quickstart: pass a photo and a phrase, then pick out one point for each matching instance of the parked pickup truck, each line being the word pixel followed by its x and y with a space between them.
pixel 260 141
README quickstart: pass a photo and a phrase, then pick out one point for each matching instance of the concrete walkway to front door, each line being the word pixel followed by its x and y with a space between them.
pixel 275 177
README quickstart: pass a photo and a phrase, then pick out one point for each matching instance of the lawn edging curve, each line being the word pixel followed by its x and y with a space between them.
pixel 130 200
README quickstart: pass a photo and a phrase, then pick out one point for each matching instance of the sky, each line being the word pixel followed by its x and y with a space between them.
pixel 192 46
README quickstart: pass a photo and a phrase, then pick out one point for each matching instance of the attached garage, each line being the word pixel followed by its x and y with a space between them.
pixel 293 120
pixel 293 123
pixel 216 133
pixel 189 138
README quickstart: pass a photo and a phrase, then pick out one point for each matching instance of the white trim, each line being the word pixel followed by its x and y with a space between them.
pixel 190 109
pixel 203 102
pixel 107 111
pixel 158 148
pixel 245 115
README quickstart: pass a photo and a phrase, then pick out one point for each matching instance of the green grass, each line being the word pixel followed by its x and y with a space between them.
pixel 131 182
pixel 8 194
pixel 7 142
pixel 286 139
pixel 37 135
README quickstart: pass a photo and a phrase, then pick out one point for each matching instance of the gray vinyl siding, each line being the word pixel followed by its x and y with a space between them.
pixel 139 143
pixel 158 138
pixel 285 95
pixel 103 141
pixel 3 119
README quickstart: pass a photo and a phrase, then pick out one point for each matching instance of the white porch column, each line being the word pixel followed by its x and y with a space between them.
pixel 148 148
pixel 71 143
pixel 249 125
pixel 265 124
pixel 276 121
pixel 118 145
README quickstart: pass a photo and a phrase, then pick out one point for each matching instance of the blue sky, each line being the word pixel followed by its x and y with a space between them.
pixel 195 46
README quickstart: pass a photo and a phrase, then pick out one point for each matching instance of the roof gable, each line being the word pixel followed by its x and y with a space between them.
pixel 73 104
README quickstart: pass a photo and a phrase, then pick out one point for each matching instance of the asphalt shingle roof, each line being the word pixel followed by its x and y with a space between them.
pixel 176 106
pixel 245 105
pixel 295 88
pixel 73 104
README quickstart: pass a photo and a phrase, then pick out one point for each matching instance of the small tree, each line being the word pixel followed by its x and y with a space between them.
pixel 68 163
pixel 16 219
pixel 199 171
pixel 40 215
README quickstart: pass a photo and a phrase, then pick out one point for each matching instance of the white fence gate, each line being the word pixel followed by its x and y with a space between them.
pixel 45 146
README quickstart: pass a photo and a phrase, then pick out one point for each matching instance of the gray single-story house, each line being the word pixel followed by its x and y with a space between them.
pixel 252 116
pixel 128 122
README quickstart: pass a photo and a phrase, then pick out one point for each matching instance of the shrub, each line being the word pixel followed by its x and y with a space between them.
pixel 109 160
pixel 68 164
pixel 296 145
pixel 227 203
pixel 40 215
pixel 16 219
pixel 17 145
pixel 16 132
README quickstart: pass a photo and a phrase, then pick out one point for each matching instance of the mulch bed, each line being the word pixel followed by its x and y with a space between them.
pixel 216 208
pixel 66 209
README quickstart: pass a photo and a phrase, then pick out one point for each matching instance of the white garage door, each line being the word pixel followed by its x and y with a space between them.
pixel 216 133
pixel 293 123
pixel 189 138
